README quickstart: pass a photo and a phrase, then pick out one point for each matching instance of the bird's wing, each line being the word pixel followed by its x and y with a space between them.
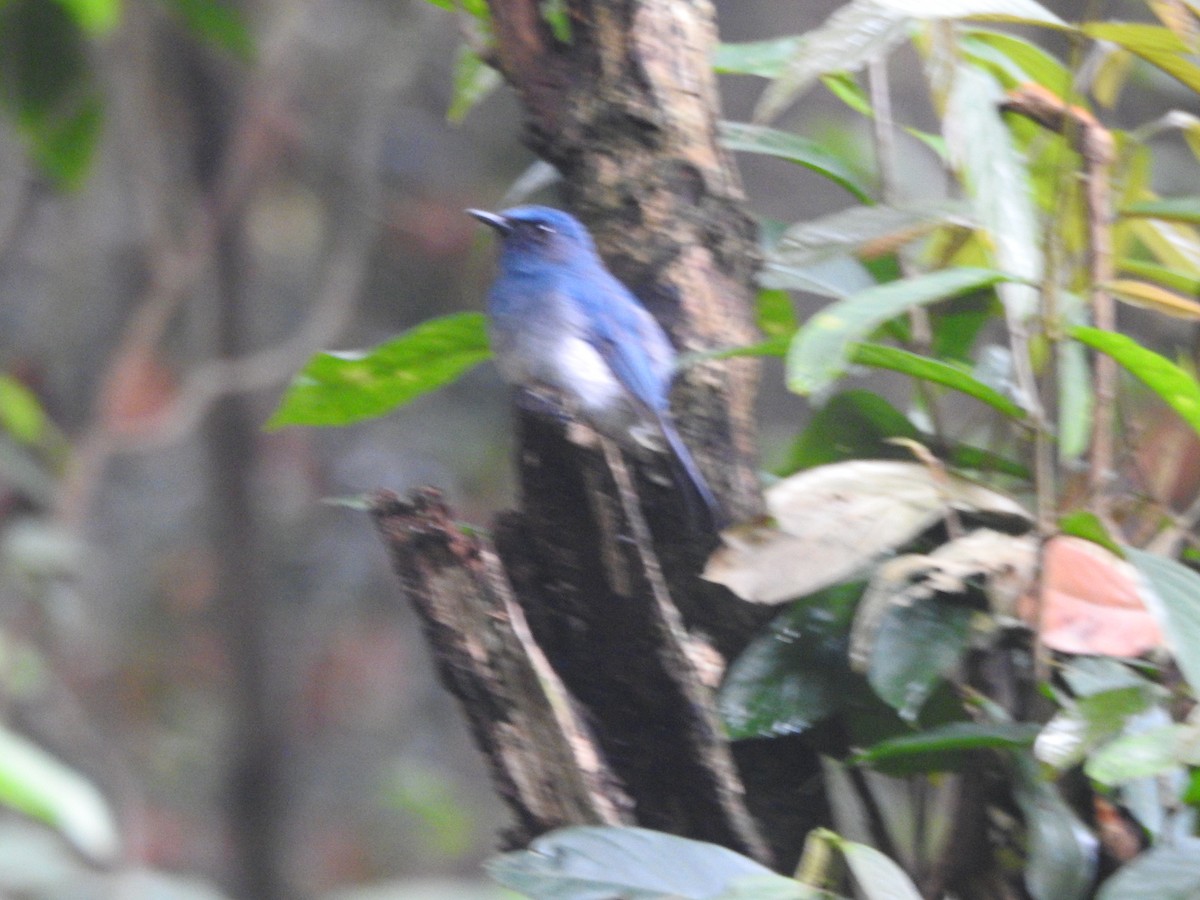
pixel 631 341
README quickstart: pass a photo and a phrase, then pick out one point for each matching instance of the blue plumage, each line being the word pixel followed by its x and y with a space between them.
pixel 559 319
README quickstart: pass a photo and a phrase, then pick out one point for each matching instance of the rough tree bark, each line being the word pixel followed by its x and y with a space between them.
pixel 627 112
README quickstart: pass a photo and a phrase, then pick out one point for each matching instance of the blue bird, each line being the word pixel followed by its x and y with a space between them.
pixel 558 319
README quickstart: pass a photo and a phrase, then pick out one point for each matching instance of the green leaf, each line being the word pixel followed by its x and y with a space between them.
pixel 97 17
pixel 997 183
pixel 46 84
pixel 1144 755
pixel 631 863
pixel 1015 60
pixel 746 138
pixel 1177 388
pixel 475 8
pixel 1167 872
pixel 1177 591
pixel 916 647
pixel 864 30
pixel 1159 46
pixel 558 17
pixel 775 315
pixel 796 674
pixel 764 58
pixel 855 34
pixel 1076 401
pixel 851 425
pixel 1086 723
pixel 1173 209
pixel 1173 244
pixel 846 88
pixel 349 386
pixel 21 414
pixel 935 371
pixel 1088 526
pixel 473 80
pixel 1183 282
pixel 216 22
pixel 870 231
pixel 35 783
pixel 954 737
pixel 821 349
pixel 875 875
pixel 1062 852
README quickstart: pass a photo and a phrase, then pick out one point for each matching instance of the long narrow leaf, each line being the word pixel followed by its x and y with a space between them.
pixel 821 349
pixel 772 142
pixel 1177 388
pixel 997 182
pixel 934 370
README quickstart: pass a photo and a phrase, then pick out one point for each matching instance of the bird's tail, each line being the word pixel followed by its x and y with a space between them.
pixel 686 467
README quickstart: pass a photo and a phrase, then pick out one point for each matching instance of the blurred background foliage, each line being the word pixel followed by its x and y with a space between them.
pixel 196 195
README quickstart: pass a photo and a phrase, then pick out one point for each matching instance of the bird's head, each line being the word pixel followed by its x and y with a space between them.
pixel 533 235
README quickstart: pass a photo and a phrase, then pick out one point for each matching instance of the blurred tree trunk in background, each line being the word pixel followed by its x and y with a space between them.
pixel 627 111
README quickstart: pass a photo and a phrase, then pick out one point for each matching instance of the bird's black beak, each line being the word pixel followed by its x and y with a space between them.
pixel 492 220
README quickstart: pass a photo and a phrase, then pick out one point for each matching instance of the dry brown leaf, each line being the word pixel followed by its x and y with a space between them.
pixel 835 522
pixel 1091 602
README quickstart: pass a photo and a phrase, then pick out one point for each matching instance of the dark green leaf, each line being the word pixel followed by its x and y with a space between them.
pixel 851 425
pixel 935 371
pixel 964 456
pixel 916 647
pixel 957 323
pixel 1089 527
pixel 1159 46
pixel 1176 588
pixel 821 349
pixel 797 673
pixel 46 84
pixel 1168 872
pixel 802 151
pixel 764 58
pixel 217 22
pixel 345 387
pixel 1062 851
pixel 473 80
pixel 943 747
pixel 1177 388
pixel 631 863
pixel 1173 209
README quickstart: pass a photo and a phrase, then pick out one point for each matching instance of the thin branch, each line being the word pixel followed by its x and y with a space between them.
pixel 1095 144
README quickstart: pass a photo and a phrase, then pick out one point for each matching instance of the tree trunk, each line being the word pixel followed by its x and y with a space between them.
pixel 602 561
